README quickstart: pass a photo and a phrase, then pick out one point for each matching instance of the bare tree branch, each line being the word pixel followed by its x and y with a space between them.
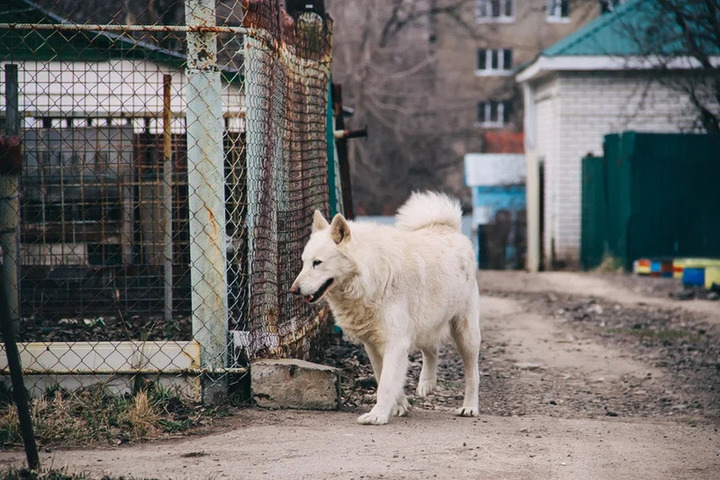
pixel 678 28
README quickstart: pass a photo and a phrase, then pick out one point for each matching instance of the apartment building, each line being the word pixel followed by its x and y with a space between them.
pixel 479 64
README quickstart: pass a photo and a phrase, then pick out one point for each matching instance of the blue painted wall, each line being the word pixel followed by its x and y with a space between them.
pixel 497 197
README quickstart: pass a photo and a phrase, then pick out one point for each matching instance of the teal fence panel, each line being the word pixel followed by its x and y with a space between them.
pixel 593 239
pixel 662 198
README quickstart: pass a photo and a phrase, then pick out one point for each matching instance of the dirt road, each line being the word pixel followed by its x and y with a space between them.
pixel 582 377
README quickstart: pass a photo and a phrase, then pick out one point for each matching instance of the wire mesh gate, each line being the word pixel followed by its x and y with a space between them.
pixel 171 157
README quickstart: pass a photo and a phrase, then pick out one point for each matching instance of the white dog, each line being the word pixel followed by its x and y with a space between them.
pixel 399 288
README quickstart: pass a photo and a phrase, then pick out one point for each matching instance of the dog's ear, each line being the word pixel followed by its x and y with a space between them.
pixel 339 229
pixel 319 221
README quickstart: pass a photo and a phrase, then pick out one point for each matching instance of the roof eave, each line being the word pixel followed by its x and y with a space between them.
pixel 544 65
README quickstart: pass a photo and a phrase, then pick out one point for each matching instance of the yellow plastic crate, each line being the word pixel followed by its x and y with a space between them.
pixel 712 275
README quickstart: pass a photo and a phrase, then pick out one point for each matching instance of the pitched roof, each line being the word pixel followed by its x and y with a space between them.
pixel 607 34
pixel 46 45
pixel 637 28
pixel 18 44
pixel 629 30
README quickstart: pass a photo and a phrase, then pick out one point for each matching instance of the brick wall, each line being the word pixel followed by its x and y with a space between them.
pixel 574 112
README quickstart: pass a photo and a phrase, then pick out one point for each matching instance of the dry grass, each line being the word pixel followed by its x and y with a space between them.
pixel 609 264
pixel 92 416
pixel 141 417
pixel 48 474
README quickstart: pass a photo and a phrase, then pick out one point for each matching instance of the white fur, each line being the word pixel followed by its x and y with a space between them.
pixel 397 289
pixel 428 208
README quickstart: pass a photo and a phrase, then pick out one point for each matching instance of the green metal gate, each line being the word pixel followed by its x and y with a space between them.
pixel 658 197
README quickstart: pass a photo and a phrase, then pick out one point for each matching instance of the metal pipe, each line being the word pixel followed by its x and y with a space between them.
pixel 10 200
pixel 345 134
pixel 91 27
pixel 341 146
pixel 206 196
pixel 132 371
pixel 167 199
pixel 18 384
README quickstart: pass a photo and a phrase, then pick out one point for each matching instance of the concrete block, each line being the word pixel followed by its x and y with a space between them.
pixel 289 383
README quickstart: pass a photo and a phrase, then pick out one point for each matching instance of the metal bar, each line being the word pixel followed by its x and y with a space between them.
pixel 346 134
pixel 141 371
pixel 10 201
pixel 92 27
pixel 18 384
pixel 12 112
pixel 167 199
pixel 341 145
pixel 206 192
pixel 230 113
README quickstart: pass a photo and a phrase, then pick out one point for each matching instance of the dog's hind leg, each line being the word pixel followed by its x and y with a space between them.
pixel 466 333
pixel 428 374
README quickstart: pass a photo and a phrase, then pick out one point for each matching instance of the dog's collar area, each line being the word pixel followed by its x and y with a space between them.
pixel 319 293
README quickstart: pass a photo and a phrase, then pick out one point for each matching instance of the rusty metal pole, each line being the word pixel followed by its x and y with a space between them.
pixel 167 198
pixel 341 145
pixel 9 240
pixel 10 198
pixel 206 197
pixel 16 377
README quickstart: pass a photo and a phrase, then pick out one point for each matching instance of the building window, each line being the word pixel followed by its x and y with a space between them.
pixel 558 10
pixel 607 6
pixel 495 10
pixel 493 113
pixel 494 61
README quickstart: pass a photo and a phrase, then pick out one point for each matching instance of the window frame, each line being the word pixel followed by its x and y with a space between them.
pixel 486 6
pixel 502 110
pixel 494 61
pixel 554 11
pixel 610 5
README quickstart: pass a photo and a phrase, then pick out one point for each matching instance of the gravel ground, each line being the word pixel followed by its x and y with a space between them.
pixel 676 342
pixel 662 287
pixel 582 376
pixel 359 386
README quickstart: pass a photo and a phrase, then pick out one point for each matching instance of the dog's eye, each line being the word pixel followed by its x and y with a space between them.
pixel 316 263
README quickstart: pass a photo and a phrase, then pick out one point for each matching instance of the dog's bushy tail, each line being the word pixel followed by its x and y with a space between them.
pixel 424 209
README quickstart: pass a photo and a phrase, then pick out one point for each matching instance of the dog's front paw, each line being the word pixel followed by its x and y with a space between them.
pixel 373 418
pixel 401 407
pixel 465 411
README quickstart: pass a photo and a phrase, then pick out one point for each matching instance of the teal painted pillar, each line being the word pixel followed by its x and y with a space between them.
pixel 331 158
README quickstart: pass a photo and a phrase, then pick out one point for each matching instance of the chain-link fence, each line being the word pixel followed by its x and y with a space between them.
pixel 172 155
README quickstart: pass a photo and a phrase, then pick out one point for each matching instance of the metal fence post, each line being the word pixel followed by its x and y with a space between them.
pixel 206 183
pixel 16 377
pixel 167 203
pixel 10 263
pixel 10 198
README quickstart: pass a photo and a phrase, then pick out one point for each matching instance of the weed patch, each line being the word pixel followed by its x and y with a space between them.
pixel 92 416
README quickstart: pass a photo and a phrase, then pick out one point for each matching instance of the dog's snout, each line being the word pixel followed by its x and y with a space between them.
pixel 295 289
